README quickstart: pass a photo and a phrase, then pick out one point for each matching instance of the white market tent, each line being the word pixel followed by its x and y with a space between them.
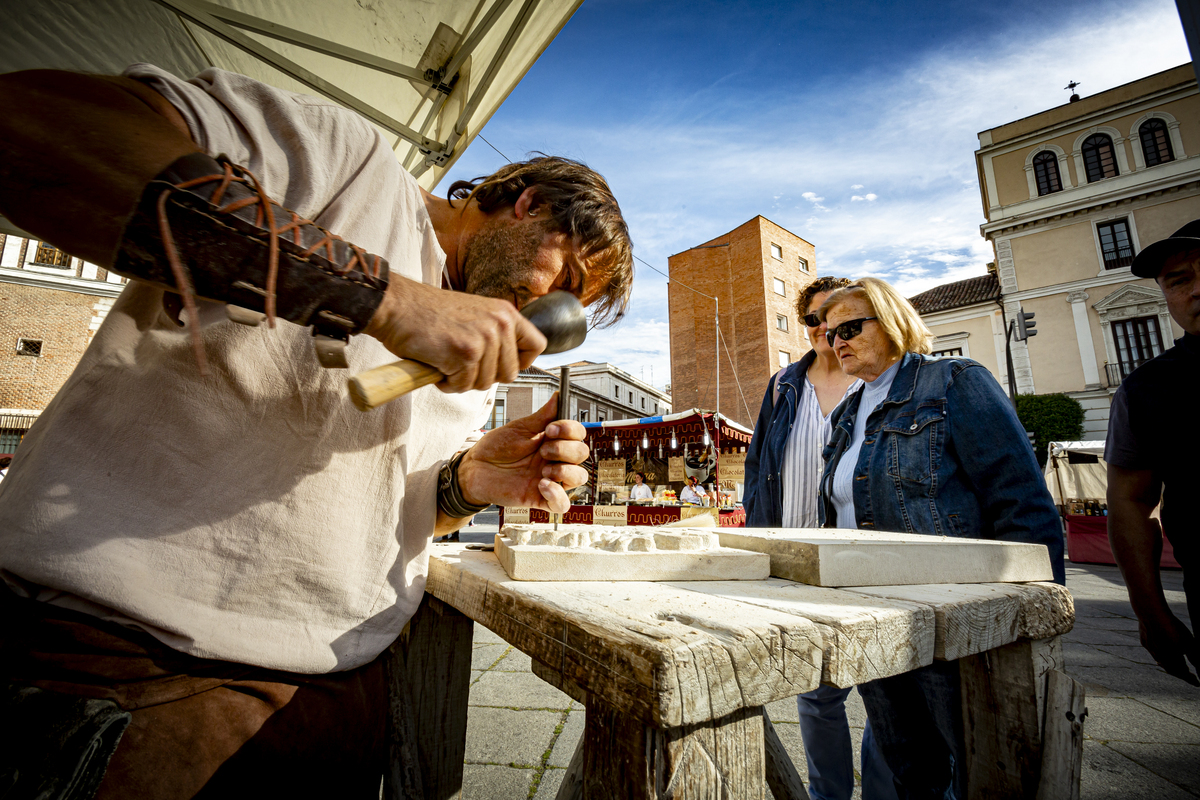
pixel 1085 481
pixel 428 73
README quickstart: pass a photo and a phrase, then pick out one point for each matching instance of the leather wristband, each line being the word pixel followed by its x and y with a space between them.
pixel 235 246
pixel 450 499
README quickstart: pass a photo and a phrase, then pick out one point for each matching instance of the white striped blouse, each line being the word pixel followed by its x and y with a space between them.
pixel 802 464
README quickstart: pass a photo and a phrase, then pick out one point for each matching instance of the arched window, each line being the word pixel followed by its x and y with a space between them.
pixel 1099 158
pixel 1156 144
pixel 1045 170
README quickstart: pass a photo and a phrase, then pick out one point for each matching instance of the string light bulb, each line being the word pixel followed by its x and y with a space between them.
pixel 645 442
pixel 616 444
pixel 674 441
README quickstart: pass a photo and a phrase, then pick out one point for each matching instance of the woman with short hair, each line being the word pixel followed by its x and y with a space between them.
pixel 928 445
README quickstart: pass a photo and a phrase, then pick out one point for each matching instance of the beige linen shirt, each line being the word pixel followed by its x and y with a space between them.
pixel 253 515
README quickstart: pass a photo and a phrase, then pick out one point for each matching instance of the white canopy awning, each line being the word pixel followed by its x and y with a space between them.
pixel 428 73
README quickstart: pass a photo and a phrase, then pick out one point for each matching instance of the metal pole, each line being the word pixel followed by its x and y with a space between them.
pixel 717 349
pixel 1012 380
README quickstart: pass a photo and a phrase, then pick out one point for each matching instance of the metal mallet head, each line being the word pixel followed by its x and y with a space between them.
pixel 561 319
pixel 558 315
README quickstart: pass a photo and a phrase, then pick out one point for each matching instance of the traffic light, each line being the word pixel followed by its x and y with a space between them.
pixel 1025 326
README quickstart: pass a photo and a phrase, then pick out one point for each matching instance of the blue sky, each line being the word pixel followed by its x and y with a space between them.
pixel 852 124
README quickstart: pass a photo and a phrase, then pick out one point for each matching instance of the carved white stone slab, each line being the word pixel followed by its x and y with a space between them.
pixel 837 557
pixel 606 553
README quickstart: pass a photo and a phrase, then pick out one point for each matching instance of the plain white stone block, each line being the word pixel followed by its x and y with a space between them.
pixel 838 557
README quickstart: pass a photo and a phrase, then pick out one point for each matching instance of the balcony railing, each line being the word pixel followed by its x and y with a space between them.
pixel 1115 373
pixel 1115 261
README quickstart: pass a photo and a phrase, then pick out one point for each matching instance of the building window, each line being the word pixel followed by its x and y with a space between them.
pixel 601 415
pixel 496 420
pixel 1045 170
pixel 953 351
pixel 583 415
pixel 29 347
pixel 803 265
pixel 781 322
pixel 631 398
pixel 13 428
pixel 1156 144
pixel 643 404
pixel 777 252
pixel 617 392
pixel 1099 157
pixel 1115 244
pixel 784 359
pixel 780 287
pixel 656 408
pixel 50 256
pixel 1137 341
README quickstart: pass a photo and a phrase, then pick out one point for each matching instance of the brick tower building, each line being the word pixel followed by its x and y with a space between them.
pixel 50 305
pixel 756 272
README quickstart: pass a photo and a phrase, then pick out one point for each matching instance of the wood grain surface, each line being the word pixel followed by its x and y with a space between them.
pixel 863 637
pixel 655 653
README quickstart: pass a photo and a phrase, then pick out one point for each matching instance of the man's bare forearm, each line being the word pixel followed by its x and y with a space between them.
pixel 76 152
pixel 1136 543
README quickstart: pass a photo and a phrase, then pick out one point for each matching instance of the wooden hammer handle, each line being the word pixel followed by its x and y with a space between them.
pixel 385 383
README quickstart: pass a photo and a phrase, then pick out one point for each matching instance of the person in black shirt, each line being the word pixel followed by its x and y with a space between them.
pixel 1151 455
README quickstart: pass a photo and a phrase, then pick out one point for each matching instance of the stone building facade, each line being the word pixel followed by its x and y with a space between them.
pixel 50 307
pixel 756 272
pixel 967 319
pixel 599 392
pixel 1070 196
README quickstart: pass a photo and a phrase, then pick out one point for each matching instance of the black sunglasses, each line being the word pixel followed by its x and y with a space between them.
pixel 847 330
pixel 812 321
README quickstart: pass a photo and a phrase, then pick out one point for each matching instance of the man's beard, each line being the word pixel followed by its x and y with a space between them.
pixel 499 260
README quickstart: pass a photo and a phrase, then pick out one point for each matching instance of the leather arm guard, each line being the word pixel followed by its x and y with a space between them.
pixel 205 228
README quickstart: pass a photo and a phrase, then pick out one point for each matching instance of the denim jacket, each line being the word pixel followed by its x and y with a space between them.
pixel 762 496
pixel 945 454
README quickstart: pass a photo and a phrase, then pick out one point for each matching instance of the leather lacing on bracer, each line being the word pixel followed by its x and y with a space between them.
pixel 264 218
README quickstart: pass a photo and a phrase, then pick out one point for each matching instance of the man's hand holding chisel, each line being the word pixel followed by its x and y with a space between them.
pixel 531 462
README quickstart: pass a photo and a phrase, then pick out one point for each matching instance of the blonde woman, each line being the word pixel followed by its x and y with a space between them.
pixel 926 446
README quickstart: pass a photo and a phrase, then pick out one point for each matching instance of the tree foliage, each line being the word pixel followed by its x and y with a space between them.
pixel 1050 418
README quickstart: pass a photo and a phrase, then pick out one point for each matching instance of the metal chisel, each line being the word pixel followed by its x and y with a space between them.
pixel 564 411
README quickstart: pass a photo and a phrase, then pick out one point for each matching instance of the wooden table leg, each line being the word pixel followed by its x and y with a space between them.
pixel 718 760
pixel 782 778
pixel 429 676
pixel 1004 697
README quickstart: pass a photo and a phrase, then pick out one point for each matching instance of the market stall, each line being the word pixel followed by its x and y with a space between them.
pixel 1077 478
pixel 667 449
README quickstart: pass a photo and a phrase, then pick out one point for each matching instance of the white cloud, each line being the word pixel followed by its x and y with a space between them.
pixel 912 130
pixel 638 346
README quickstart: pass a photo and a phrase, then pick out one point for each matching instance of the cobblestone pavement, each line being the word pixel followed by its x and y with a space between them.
pixel 1142 729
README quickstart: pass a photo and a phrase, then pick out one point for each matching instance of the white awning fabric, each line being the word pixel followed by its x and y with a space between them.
pixel 1082 481
pixel 428 73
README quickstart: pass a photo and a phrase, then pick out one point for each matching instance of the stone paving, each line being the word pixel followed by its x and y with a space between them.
pixel 1142 729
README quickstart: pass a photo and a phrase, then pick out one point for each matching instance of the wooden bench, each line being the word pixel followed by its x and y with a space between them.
pixel 674 676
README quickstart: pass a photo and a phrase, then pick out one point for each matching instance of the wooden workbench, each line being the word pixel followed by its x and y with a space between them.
pixel 674 676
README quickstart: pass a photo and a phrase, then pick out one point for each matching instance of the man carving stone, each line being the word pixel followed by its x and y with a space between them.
pixel 224 553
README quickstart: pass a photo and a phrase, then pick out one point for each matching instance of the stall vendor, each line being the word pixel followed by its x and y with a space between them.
pixel 694 493
pixel 640 490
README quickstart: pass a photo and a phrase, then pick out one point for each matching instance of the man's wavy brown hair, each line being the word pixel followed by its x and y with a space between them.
pixel 582 206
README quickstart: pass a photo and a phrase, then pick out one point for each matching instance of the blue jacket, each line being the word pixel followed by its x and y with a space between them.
pixel 762 495
pixel 945 454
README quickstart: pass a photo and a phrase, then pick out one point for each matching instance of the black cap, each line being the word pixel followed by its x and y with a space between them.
pixel 1149 263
